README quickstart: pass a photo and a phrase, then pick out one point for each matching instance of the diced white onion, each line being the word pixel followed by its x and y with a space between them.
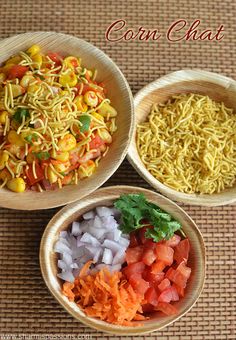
pixel 107 256
pixel 76 230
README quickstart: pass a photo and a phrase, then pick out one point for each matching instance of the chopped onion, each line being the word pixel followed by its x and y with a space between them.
pixel 89 215
pixel 112 245
pixel 76 230
pixel 66 276
pixel 107 256
pixel 87 238
pixel 119 257
pixel 104 211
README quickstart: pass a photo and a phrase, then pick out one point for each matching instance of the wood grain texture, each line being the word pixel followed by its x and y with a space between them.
pixel 118 92
pixel 218 88
pixel 106 196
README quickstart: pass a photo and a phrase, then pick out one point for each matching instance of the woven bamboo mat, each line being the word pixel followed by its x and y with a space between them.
pixel 26 307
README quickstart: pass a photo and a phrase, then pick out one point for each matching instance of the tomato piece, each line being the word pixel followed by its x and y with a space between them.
pixel 17 71
pixel 142 232
pixel 164 284
pixel 184 270
pixel 165 254
pixel 133 239
pixel 166 308
pixel 30 175
pixel 56 58
pixel 180 290
pixel 147 308
pixel 148 256
pixel 153 278
pixel 168 295
pixel 133 255
pixel 138 283
pixel 158 267
pixel 134 268
pixel 149 244
pixel 176 277
pixel 173 241
pixel 181 251
pixel 151 296
pixel 96 142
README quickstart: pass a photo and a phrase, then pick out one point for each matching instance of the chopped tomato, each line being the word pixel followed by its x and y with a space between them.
pixel 153 278
pixel 149 244
pixel 133 239
pixel 176 277
pixel 158 267
pixel 67 179
pixel 142 236
pixel 138 283
pixel 164 284
pixel 151 296
pixel 147 308
pixel 184 270
pixel 96 142
pixel 165 254
pixel 17 71
pixel 180 290
pixel 56 58
pixel 173 241
pixel 133 255
pixel 30 175
pixel 133 268
pixel 149 257
pixel 168 295
pixel 166 308
pixel 182 251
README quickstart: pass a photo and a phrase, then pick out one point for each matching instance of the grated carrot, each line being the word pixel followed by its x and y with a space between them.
pixel 106 296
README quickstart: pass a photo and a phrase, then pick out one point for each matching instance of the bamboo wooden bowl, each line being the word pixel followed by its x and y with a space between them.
pixel 217 87
pixel 105 196
pixel 121 98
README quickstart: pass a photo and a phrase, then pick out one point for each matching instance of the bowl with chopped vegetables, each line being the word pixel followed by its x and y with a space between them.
pixel 124 260
pixel 66 119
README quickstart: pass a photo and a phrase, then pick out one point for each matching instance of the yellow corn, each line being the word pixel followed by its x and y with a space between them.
pixel 38 60
pixel 33 50
pixel 71 62
pixel 90 73
pixel 61 156
pixel 16 184
pixel 86 169
pixel 107 110
pixel 79 102
pixel 26 80
pixel 3 159
pixel 3 117
pixel 15 139
pixel 91 98
pixel 52 177
pixel 62 166
pixel 5 174
pixel 97 116
pixel 2 77
pixel 32 88
pixel 105 135
pixel 14 149
pixel 67 143
pixel 69 78
pixel 17 90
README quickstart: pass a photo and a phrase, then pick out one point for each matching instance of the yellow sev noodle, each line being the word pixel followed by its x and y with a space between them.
pixel 189 144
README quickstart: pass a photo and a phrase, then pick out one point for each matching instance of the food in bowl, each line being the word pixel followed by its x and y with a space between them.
pixel 188 143
pixel 55 121
pixel 122 263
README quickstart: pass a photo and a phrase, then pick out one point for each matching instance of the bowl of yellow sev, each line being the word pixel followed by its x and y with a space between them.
pixel 66 119
pixel 184 143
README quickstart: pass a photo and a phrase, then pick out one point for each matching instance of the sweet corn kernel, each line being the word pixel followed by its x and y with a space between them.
pixel 97 116
pixel 33 50
pixel 15 139
pixel 91 98
pixel 17 90
pixel 69 78
pixel 71 62
pixel 38 60
pixel 3 159
pixel 62 166
pixel 105 135
pixel 86 169
pixel 32 88
pixel 3 117
pixel 79 102
pixel 67 143
pixel 16 184
pixel 90 73
pixel 2 77
pixel 52 177
pixel 5 174
pixel 107 110
pixel 26 80
pixel 61 156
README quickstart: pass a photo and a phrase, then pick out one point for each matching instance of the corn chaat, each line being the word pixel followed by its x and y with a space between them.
pixel 55 121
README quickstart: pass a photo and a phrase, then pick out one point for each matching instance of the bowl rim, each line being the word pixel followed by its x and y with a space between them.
pixel 111 193
pixel 183 75
pixel 19 205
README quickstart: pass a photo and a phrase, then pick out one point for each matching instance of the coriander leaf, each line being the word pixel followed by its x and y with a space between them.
pixel 20 113
pixel 31 138
pixel 137 212
pixel 85 121
pixel 44 155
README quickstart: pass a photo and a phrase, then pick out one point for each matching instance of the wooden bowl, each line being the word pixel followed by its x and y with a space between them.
pixel 105 196
pixel 121 98
pixel 217 87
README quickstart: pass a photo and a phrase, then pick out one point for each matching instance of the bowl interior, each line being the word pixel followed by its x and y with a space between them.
pixel 118 92
pixel 217 87
pixel 105 196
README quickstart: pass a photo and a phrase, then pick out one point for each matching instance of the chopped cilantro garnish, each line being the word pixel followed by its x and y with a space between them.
pixel 20 113
pixel 85 121
pixel 43 155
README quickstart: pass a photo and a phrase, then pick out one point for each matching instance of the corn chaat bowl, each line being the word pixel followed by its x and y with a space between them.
pixel 66 117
